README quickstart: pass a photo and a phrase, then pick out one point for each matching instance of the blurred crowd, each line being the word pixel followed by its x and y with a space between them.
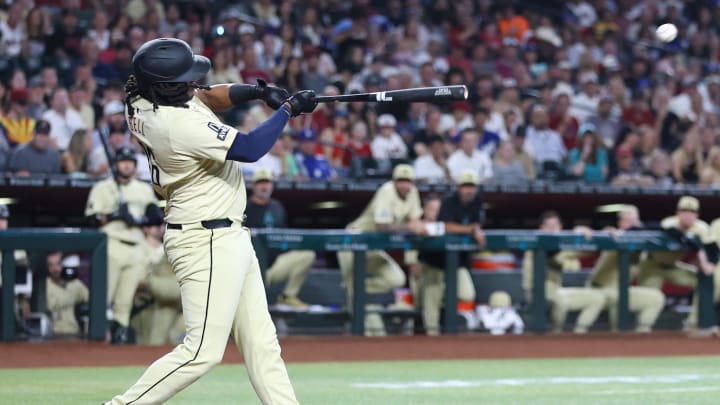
pixel 559 90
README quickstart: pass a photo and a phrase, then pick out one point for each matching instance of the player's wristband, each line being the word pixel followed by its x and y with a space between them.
pixel 242 93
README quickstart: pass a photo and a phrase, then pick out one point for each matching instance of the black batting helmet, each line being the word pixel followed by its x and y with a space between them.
pixel 168 60
pixel 125 153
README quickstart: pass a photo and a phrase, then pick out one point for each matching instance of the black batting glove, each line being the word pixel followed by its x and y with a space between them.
pixel 122 214
pixel 273 96
pixel 302 102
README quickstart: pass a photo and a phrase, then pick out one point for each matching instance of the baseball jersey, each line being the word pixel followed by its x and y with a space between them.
pixel 105 198
pixel 553 272
pixel 605 272
pixel 186 150
pixel 700 229
pixel 61 301
pixel 386 207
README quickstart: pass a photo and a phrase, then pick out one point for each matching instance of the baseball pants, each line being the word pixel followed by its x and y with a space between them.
pixel 645 302
pixel 654 275
pixel 383 272
pixel 586 300
pixel 124 273
pixel 293 267
pixel 433 291
pixel 222 294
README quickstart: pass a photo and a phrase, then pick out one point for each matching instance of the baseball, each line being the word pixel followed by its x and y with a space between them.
pixel 666 32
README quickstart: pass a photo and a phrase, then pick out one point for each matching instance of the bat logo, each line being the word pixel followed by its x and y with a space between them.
pixel 443 91
pixel 380 96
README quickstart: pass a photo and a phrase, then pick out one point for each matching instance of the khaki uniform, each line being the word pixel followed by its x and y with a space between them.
pixel 220 283
pixel 693 317
pixel 645 302
pixel 161 323
pixel 433 291
pixel 61 301
pixel 386 207
pixel 588 301
pixel 658 267
pixel 124 242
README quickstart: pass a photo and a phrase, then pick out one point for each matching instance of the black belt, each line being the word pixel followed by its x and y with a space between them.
pixel 209 224
pixel 127 242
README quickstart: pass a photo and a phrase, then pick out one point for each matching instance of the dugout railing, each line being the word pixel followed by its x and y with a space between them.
pixel 539 242
pixel 35 240
pixel 47 240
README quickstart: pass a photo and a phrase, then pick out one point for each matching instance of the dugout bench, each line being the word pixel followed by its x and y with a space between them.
pixel 50 240
pixel 540 242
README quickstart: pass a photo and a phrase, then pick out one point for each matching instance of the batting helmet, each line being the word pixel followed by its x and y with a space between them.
pixel 4 212
pixel 168 60
pixel 125 153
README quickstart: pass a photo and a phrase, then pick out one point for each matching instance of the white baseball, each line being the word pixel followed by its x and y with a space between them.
pixel 666 32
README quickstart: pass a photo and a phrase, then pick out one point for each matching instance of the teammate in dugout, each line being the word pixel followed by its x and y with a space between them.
pixel 63 295
pixel 293 266
pixel 195 164
pixel 117 207
pixel 460 212
pixel 590 302
pixel 646 302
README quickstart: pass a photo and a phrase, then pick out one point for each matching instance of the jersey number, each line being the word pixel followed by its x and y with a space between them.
pixel 154 169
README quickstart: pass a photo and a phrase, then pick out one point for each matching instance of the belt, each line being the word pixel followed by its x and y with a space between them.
pixel 209 224
pixel 125 242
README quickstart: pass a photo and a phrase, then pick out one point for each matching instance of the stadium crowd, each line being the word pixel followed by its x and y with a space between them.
pixel 577 90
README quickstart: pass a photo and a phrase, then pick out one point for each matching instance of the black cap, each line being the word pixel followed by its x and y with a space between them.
pixel 125 153
pixel 168 60
pixel 154 215
pixel 42 127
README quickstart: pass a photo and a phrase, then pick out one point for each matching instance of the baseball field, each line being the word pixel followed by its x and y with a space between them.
pixel 604 369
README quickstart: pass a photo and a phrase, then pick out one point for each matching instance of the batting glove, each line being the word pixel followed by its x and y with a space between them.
pixel 302 102
pixel 273 96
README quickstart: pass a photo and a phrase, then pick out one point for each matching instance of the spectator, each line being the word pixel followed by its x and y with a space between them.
pixel 659 169
pixel 313 165
pixel 4 153
pixel 12 31
pixel 80 103
pixel 507 168
pixel 293 77
pixel 97 165
pixel 585 103
pixel 710 175
pixel 489 140
pixel 337 137
pixel 687 161
pixel 388 144
pixel 420 141
pixel 313 79
pixel 589 160
pixel 63 120
pixel 99 31
pixel 638 113
pixel 432 167
pixel 38 156
pixel 75 158
pixel 63 293
pixel 459 118
pixel 359 140
pixel 563 122
pixel 543 144
pixel 222 70
pixel 274 161
pixel 468 156
pixel 627 172
pixel 18 126
pixel 608 127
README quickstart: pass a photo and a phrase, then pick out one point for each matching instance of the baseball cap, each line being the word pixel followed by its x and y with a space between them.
pixel 42 127
pixel 623 151
pixel 500 299
pixel 467 177
pixel 374 79
pixel 246 29
pixel 114 107
pixel 153 215
pixel 586 127
pixel 4 212
pixel 262 175
pixel 386 120
pixel 403 172
pixel 306 134
pixel 688 203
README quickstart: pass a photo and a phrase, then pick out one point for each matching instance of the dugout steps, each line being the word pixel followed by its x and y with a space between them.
pixel 323 289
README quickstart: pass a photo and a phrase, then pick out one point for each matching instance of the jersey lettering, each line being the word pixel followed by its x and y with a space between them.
pixel 221 130
pixel 136 125
pixel 154 169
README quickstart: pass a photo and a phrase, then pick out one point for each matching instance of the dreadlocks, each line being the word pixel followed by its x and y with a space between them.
pixel 169 94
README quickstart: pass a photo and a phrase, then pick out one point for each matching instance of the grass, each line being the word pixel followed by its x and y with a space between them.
pixel 666 380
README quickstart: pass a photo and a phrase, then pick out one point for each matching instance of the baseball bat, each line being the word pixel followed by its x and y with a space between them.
pixel 113 170
pixel 420 94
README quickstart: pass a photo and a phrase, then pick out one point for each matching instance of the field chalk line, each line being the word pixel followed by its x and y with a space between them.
pixel 665 379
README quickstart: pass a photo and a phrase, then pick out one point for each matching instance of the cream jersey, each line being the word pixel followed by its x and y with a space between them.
pixel 61 301
pixel 605 272
pixel 386 207
pixel 104 198
pixel 699 229
pixel 186 150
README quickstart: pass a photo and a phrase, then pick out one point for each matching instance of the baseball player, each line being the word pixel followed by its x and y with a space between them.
pixel 195 165
pixel 161 322
pixel 658 267
pixel 395 207
pixel 693 317
pixel 589 302
pixel 646 302
pixel 460 212
pixel 293 266
pixel 117 208
pixel 62 297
